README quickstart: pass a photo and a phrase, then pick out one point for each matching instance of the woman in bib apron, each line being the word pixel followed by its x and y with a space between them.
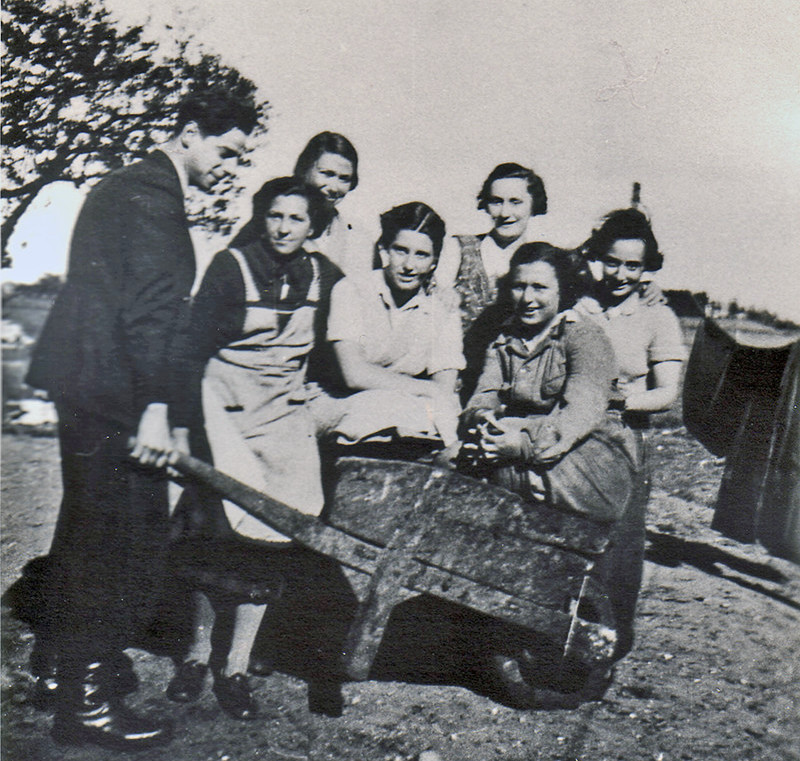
pixel 254 322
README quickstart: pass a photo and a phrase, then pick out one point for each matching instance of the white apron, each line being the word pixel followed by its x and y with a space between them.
pixel 258 426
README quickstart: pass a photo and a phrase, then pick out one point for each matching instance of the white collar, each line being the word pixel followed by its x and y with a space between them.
pixel 417 301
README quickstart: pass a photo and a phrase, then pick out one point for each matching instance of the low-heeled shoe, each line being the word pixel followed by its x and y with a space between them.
pixel 187 684
pixel 235 697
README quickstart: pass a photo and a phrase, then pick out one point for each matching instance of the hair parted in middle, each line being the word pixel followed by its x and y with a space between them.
pixel 256 227
pixel 517 171
pixel 416 216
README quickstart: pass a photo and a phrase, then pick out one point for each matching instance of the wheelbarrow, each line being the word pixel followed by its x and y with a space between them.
pixel 405 529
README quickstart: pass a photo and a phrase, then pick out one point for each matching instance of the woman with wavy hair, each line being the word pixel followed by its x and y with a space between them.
pixel 472 265
pixel 398 347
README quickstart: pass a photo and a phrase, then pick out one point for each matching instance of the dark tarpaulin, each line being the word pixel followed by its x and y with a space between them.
pixel 741 402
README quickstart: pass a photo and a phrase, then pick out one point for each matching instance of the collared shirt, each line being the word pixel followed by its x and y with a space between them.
pixel 566 375
pixel 419 338
pixel 641 335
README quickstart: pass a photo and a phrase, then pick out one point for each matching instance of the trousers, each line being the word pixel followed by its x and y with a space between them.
pixel 108 551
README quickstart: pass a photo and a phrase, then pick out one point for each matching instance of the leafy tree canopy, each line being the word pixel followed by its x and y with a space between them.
pixel 83 95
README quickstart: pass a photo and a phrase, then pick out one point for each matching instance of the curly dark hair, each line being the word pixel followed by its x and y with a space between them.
pixel 625 224
pixel 512 170
pixel 216 111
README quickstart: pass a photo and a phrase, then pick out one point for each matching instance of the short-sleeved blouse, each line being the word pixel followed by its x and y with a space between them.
pixel 641 335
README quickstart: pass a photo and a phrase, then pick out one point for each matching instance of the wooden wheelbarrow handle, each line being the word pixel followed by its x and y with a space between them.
pixel 307 530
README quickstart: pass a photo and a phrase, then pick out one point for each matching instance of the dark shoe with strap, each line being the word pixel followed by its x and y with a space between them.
pixel 90 711
pixel 235 697
pixel 187 684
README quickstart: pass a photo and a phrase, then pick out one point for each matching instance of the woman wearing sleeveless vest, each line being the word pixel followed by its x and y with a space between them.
pixel 472 265
pixel 254 322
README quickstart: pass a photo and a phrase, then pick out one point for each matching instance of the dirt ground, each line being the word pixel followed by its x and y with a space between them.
pixel 714 674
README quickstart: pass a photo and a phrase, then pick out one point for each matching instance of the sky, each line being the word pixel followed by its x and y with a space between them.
pixel 698 101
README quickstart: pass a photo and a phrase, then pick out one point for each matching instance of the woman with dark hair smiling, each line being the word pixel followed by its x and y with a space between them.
pixel 330 163
pixel 255 320
pixel 538 415
pixel 646 337
pixel 649 349
pixel 539 424
pixel 473 264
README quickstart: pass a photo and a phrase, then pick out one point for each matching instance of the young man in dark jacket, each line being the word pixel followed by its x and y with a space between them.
pixel 104 357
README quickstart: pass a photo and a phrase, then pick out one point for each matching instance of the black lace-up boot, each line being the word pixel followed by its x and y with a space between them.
pixel 89 709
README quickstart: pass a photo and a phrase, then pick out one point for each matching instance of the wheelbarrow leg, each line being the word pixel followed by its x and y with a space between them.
pixel 386 586
pixel 366 632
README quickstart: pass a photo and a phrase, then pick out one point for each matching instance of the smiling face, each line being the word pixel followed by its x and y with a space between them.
pixel 288 224
pixel 333 175
pixel 535 294
pixel 509 205
pixel 623 266
pixel 408 261
pixel 208 159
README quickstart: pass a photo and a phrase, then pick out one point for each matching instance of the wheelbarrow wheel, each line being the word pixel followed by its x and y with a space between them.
pixel 521 680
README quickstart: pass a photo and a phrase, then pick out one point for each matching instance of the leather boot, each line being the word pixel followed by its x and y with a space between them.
pixel 90 710
pixel 44 670
pixel 43 664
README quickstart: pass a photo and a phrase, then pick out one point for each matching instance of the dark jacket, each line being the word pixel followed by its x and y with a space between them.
pixel 108 341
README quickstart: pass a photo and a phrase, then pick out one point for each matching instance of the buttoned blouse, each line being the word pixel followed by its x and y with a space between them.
pixel 566 375
pixel 419 338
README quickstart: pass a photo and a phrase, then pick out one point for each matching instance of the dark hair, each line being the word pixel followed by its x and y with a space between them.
pixel 415 216
pixel 216 111
pixel 504 171
pixel 327 142
pixel 570 283
pixel 256 228
pixel 625 224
